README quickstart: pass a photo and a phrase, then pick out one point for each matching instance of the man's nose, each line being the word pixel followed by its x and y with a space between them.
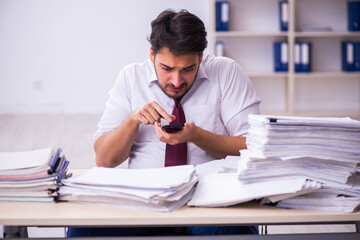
pixel 176 79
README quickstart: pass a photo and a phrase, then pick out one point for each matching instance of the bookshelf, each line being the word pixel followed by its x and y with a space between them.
pixel 326 90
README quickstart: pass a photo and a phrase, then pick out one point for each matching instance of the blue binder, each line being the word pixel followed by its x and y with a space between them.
pixel 54 160
pixel 347 54
pixel 357 56
pixel 305 56
pixel 354 16
pixel 281 59
pixel 284 15
pixel 222 15
pixel 297 57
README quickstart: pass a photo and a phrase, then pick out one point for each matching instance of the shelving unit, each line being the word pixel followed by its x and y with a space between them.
pixel 326 90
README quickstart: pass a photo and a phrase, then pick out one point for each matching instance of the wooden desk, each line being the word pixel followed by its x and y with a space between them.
pixel 70 214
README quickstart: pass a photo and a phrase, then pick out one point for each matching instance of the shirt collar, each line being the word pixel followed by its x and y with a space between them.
pixel 153 77
pixel 200 75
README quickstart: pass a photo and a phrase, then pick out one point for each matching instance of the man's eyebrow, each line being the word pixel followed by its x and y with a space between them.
pixel 166 66
pixel 191 66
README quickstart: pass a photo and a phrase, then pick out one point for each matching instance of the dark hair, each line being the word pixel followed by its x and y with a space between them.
pixel 181 32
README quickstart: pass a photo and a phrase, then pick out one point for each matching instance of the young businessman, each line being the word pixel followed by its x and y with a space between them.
pixel 214 93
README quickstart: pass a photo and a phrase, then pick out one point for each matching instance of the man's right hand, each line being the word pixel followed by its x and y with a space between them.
pixel 151 113
pixel 113 148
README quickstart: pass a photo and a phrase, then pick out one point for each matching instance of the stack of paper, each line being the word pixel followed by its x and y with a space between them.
pixel 219 185
pixel 325 150
pixel 31 175
pixel 159 189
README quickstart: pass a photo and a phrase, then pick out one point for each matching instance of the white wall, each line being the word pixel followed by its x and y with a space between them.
pixel 63 56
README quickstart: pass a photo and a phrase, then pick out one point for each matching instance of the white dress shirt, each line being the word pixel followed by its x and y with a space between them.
pixel 219 101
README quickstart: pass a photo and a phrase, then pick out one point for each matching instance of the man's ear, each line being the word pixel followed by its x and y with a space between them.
pixel 201 57
pixel 152 55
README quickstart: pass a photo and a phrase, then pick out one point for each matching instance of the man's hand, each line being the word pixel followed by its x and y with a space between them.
pixel 184 135
pixel 113 148
pixel 216 145
pixel 151 113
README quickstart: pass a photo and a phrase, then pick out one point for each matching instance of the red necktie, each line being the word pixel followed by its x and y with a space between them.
pixel 176 154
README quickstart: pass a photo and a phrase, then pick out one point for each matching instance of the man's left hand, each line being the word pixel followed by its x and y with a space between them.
pixel 184 135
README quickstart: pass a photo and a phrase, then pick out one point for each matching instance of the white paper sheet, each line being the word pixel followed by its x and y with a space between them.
pixel 156 178
pixel 25 159
pixel 225 189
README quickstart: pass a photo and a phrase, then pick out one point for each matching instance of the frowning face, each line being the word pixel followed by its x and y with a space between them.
pixel 176 74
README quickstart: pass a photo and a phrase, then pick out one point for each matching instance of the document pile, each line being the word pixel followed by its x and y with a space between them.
pixel 219 185
pixel 325 151
pixel 31 176
pixel 158 189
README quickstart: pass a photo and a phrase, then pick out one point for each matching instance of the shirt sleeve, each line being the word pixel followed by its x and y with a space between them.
pixel 239 93
pixel 117 108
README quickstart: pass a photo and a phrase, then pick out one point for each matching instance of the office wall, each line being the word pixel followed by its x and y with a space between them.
pixel 63 56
